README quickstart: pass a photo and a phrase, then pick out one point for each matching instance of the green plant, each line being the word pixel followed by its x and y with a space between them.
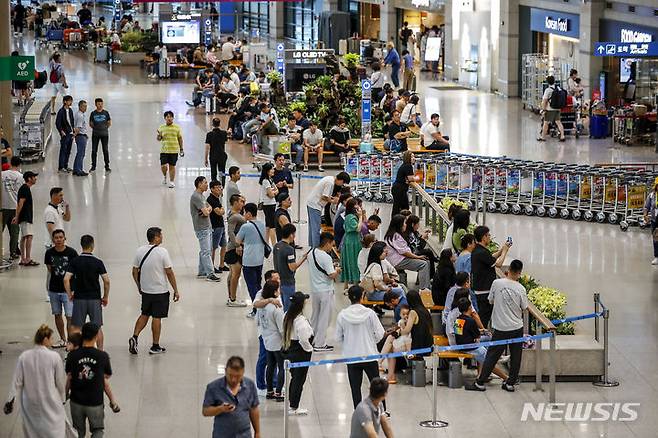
pixel 552 303
pixel 528 282
pixel 273 76
pixel 132 41
pixel 351 60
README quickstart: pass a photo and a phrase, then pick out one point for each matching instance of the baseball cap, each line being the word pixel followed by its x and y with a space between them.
pixel 299 296
pixel 29 174
pixel 282 197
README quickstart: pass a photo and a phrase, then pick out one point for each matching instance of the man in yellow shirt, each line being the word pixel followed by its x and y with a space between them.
pixel 170 137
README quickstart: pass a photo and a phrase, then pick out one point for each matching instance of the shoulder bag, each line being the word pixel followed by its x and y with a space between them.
pixel 267 250
pixel 317 265
pixel 139 269
pixel 368 283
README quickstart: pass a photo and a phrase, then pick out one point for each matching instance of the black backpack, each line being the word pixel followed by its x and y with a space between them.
pixel 558 98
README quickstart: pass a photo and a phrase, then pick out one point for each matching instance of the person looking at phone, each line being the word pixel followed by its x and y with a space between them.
pixel 322 273
pixel 233 401
pixel 483 269
pixel 170 136
pixel 56 213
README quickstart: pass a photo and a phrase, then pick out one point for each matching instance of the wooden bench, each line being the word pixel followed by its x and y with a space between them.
pixel 442 341
pixel 367 302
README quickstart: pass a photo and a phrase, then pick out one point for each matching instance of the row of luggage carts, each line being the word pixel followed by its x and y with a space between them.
pixel 506 185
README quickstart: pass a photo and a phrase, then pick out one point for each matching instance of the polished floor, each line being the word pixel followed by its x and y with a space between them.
pixel 161 396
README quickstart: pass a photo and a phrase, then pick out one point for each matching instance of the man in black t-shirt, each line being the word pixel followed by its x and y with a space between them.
pixel 215 151
pixel 84 289
pixel 87 370
pixel 282 215
pixel 25 216
pixel 398 131
pixel 217 223
pixel 483 270
pixel 57 261
pixel 19 18
pixel 282 176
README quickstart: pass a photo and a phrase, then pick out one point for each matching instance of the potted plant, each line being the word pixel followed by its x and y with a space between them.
pixel 351 61
pixel 132 48
pixel 552 303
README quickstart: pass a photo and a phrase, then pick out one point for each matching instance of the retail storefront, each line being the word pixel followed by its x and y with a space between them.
pixel 420 14
pixel 553 34
pixel 620 72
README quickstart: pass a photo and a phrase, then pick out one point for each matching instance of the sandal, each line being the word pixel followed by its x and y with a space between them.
pixel 31 263
pixel 392 381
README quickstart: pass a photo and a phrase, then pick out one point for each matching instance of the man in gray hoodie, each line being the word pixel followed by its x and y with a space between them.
pixel 359 330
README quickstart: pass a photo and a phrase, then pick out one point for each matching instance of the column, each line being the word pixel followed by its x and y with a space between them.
pixel 277 17
pixel 507 80
pixel 589 65
pixel 451 48
pixel 7 118
pixel 387 21
pixel 329 5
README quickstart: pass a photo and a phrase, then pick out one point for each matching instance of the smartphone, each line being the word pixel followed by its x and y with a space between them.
pixel 509 240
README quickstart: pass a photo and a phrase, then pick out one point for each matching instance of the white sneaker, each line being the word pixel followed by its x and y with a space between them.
pixel 298 411
pixel 164 181
pixel 171 185
pixel 504 359
pixel 236 303
pixel 654 261
pixel 262 392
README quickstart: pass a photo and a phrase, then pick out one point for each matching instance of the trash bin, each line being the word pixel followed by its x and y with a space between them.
pixel 418 373
pixel 455 379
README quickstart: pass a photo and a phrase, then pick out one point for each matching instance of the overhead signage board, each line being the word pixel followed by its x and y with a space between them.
pixel 626 50
pixel 311 56
pixel 558 23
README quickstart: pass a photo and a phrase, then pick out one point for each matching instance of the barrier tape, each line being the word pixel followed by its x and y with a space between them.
pixel 374 357
pixel 577 318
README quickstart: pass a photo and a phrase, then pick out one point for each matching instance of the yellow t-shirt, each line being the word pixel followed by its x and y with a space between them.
pixel 169 140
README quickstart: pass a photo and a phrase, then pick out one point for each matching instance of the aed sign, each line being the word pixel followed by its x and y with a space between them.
pixel 17 68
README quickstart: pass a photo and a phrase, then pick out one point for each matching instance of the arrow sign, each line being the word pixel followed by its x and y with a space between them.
pixel 626 50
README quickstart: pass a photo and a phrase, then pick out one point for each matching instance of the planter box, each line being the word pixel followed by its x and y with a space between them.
pixel 129 58
pixel 578 358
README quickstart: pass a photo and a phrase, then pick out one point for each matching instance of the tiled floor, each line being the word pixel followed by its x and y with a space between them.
pixel 161 396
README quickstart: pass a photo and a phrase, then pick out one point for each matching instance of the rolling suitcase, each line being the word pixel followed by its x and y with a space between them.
pixel 102 53
pixel 599 126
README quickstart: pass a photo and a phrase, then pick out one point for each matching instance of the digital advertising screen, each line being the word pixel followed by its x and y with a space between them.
pixel 181 32
pixel 625 69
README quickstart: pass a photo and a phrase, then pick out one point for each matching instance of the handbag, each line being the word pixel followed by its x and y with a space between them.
pixel 139 269
pixel 267 250
pixel 367 283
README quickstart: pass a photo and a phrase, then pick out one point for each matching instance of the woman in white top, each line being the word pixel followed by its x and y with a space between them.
pixel 267 199
pixel 411 113
pixel 374 274
pixel 362 260
pixel 270 322
pixel 40 383
pixel 297 347
pixel 396 342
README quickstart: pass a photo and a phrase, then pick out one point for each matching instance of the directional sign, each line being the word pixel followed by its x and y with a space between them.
pixel 17 68
pixel 366 110
pixel 366 88
pixel 626 50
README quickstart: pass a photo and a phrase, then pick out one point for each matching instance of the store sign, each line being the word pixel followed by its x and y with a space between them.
pixel 307 56
pixel 632 36
pixel 17 68
pixel 558 23
pixel 625 50
pixel 421 3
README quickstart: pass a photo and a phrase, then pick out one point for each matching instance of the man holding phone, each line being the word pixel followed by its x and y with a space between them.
pixel 170 136
pixel 233 401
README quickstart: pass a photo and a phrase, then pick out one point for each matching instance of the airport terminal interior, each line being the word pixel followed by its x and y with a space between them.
pixel 486 79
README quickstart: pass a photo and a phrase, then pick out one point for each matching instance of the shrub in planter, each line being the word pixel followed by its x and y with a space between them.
pixel 551 303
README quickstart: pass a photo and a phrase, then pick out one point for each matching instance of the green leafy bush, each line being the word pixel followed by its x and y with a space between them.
pixel 552 303
pixel 351 60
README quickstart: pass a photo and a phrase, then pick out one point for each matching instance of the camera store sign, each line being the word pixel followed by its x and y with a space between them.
pixel 633 36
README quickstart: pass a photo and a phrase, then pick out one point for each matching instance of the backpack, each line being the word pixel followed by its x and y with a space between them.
pixel 54 76
pixel 558 98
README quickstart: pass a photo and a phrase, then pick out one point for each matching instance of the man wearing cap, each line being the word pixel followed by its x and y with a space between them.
pixel 651 217
pixel 25 216
pixel 359 330
pixel 282 215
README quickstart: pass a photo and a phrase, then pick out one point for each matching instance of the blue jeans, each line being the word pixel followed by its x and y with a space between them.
pixel 314 224
pixel 205 249
pixel 65 151
pixel 474 301
pixel 253 277
pixel 299 149
pixel 81 146
pixel 261 363
pixel 378 295
pixel 395 75
pixel 287 291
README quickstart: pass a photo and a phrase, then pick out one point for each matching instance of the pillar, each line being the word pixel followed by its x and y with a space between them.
pixel 277 16
pixel 387 21
pixel 6 115
pixel 507 80
pixel 589 65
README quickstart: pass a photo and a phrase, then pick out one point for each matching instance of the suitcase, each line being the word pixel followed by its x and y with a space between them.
pixel 72 36
pixel 102 53
pixel 598 127
pixel 55 35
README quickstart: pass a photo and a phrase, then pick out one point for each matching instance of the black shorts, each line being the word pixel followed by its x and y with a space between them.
pixel 155 305
pixel 232 257
pixel 268 212
pixel 170 159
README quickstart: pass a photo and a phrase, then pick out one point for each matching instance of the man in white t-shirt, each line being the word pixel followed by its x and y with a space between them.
pixel 551 115
pixel 12 180
pixel 228 50
pixel 322 274
pixel 432 137
pixel 56 213
pixel 509 300
pixel 320 196
pixel 313 141
pixel 152 271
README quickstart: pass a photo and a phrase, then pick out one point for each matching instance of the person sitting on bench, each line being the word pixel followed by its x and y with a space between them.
pixel 206 82
pixel 228 92
pixel 313 142
pixel 432 137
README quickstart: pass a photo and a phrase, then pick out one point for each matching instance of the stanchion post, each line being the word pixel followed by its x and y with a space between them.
pixel 551 369
pixel 597 309
pixel 538 362
pixel 434 423
pixel 606 382
pixel 299 200
pixel 286 396
pixel 413 200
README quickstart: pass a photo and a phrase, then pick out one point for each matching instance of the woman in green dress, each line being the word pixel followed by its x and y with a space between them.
pixel 351 244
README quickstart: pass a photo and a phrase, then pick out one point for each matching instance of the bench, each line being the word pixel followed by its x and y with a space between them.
pixel 367 302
